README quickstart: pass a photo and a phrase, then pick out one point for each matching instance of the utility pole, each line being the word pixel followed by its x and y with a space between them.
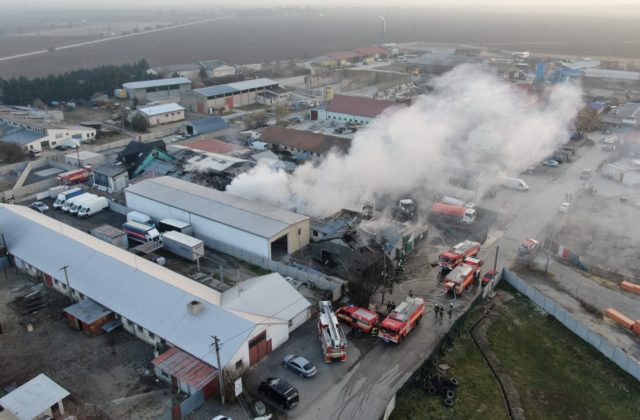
pixel 66 277
pixel 495 261
pixel 216 343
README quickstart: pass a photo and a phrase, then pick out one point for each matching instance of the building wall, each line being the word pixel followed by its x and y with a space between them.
pixel 222 71
pixel 165 118
pixel 299 319
pixel 344 118
pixel 205 229
pixel 161 92
pixel 298 236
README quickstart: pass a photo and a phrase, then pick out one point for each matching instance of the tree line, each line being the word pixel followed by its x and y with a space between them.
pixel 73 85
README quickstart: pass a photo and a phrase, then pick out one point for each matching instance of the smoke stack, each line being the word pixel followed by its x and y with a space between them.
pixel 383 28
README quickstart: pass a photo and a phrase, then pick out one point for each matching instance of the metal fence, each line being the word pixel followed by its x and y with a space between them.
pixel 312 279
pixel 601 343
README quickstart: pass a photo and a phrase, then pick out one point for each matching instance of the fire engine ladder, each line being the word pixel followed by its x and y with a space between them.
pixel 326 310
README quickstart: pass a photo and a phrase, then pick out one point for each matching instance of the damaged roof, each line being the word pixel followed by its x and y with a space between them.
pixel 304 140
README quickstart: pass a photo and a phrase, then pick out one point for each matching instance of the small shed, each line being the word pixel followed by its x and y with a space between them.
pixel 38 398
pixel 111 234
pixel 185 372
pixel 88 316
pixel 111 177
pixel 205 126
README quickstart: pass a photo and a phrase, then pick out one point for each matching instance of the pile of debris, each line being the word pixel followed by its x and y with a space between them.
pixel 34 304
pixel 438 383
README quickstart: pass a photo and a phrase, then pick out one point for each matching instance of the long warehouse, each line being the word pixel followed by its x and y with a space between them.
pixel 219 217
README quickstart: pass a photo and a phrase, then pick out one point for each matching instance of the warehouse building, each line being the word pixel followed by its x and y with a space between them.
pixel 110 177
pixel 162 114
pixel 217 68
pixel 303 142
pixel 627 115
pixel 223 98
pixel 222 219
pixel 35 135
pixel 205 126
pixel 153 303
pixel 191 71
pixel 611 79
pixel 151 90
pixel 353 110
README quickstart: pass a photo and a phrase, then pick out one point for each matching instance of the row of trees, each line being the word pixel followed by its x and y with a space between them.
pixel 73 85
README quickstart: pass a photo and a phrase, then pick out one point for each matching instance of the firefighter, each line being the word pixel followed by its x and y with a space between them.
pixel 436 308
pixel 374 332
pixel 450 312
pixel 410 293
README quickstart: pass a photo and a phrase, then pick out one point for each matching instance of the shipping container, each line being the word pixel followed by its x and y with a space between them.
pixel 183 245
pixel 168 224
pixel 112 235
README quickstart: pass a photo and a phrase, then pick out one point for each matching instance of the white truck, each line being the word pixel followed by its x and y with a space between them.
pixel 73 200
pixel 458 202
pixel 66 195
pixel 515 184
pixel 183 245
pixel 134 216
pixel 79 203
pixel 94 206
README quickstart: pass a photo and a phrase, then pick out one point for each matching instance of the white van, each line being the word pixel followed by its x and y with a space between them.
pixel 515 184
pixel 134 216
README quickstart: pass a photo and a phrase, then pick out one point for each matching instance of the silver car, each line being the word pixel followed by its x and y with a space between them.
pixel 300 365
pixel 39 206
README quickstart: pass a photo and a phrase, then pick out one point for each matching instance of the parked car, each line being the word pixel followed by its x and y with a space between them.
pixel 39 206
pixel 299 365
pixel 577 136
pixel 586 174
pixel 280 392
pixel 528 247
pixel 565 207
pixel 63 147
pixel 550 163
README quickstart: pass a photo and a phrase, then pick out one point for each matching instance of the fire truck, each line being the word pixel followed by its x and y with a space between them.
pixel 402 320
pixel 451 258
pixel 332 338
pixel 358 318
pixel 463 276
pixel 75 176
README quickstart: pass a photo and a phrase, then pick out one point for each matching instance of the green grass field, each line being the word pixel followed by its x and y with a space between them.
pixel 557 374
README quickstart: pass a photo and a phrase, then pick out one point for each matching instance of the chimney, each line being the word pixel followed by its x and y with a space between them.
pixel 194 307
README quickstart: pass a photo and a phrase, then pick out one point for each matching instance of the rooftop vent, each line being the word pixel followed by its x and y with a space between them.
pixel 194 307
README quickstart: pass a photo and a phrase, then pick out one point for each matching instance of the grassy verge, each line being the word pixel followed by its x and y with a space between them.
pixel 478 396
pixel 557 374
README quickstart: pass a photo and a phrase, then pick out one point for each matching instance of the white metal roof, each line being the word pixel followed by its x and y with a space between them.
pixel 144 292
pixel 161 109
pixel 252 84
pixel 207 161
pixel 156 83
pixel 181 237
pixel 250 216
pixel 612 74
pixel 29 400
pixel 270 296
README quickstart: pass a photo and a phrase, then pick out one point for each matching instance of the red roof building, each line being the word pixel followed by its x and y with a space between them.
pixel 353 109
pixel 216 146
pixel 185 372
pixel 372 51
pixel 298 141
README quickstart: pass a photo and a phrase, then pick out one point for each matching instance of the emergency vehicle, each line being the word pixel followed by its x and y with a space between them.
pixel 358 318
pixel 332 338
pixel 402 320
pixel 450 259
pixel 463 276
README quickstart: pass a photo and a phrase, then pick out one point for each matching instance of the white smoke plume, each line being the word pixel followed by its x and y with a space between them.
pixel 471 119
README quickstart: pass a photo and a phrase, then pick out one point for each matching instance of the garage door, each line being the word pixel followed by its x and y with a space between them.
pixel 259 348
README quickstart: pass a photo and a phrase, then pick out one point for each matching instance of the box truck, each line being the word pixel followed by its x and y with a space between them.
pixel 73 209
pixel 141 232
pixel 94 206
pixel 73 200
pixel 183 245
pixel 134 216
pixel 66 195
pixel 457 202
pixel 168 224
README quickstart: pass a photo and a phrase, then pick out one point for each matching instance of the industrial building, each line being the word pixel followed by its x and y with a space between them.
pixel 223 98
pixel 156 305
pixel 627 115
pixel 338 59
pixel 162 114
pixel 371 54
pixel 151 90
pixel 219 218
pixel 217 68
pixel 344 109
pixel 191 70
pixel 610 79
pixel 299 142
pixel 210 146
pixel 38 398
pixel 440 62
pixel 626 172
pixel 110 177
pixel 35 133
pixel 205 126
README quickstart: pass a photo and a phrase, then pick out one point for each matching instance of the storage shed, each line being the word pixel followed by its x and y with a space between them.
pixel 39 398
pixel 221 219
pixel 88 316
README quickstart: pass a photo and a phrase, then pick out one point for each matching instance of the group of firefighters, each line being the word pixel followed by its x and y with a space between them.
pixel 439 310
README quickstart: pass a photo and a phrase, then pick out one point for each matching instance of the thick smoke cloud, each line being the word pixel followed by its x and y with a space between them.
pixel 470 120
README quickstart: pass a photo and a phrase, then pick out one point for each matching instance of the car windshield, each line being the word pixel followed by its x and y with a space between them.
pixel 307 366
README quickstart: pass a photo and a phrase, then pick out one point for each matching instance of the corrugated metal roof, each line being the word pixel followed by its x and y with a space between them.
pixel 250 216
pixel 252 84
pixel 612 74
pixel 217 90
pixel 207 125
pixel 270 296
pixel 161 109
pixel 185 368
pixel 29 400
pixel 87 311
pixel 354 105
pixel 156 83
pixel 139 290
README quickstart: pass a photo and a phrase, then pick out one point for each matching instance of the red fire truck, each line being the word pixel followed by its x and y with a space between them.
pixel 402 320
pixel 463 276
pixel 332 338
pixel 451 258
pixel 75 176
pixel 358 318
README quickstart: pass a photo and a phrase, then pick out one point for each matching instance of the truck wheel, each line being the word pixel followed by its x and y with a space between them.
pixel 448 402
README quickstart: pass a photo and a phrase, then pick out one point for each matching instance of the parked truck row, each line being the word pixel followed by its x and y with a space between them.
pixel 81 203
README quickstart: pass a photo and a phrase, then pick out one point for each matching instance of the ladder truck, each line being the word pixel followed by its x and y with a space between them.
pixel 332 338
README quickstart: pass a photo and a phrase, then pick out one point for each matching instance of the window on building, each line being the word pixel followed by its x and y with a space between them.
pixel 239 365
pixel 299 231
pixel 152 335
pixel 290 323
pixel 140 329
pixel 315 232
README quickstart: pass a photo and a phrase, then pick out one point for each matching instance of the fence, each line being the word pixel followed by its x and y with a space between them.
pixel 612 352
pixel 185 408
pixel 118 208
pixel 310 278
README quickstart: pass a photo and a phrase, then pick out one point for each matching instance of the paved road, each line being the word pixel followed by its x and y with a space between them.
pixel 364 391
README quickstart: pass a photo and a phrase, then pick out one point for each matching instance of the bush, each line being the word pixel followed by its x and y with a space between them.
pixel 139 123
